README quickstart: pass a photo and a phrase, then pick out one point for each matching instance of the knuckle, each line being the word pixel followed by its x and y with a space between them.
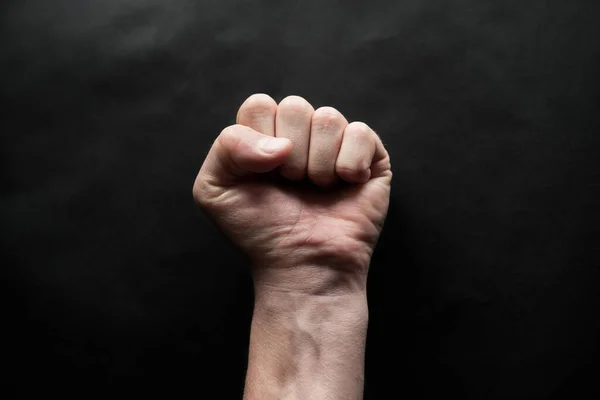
pixel 359 130
pixel 206 191
pixel 296 104
pixel 259 98
pixel 229 133
pixel 258 103
pixel 200 192
pixel 347 169
pixel 327 116
pixel 230 138
pixel 314 172
pixel 320 177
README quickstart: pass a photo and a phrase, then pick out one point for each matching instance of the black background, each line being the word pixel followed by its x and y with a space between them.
pixel 485 283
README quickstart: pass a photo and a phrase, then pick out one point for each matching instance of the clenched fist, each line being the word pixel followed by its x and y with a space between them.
pixel 301 191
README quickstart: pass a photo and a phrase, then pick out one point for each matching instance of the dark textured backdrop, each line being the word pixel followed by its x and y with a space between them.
pixel 486 282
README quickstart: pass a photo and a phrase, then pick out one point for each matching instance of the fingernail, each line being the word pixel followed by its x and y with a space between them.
pixel 272 145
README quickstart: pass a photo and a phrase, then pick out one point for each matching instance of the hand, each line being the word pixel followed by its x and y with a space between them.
pixel 305 195
pixel 302 192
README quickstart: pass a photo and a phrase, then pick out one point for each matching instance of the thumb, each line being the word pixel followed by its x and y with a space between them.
pixel 240 151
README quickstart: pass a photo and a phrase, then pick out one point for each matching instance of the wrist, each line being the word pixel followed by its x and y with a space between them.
pixel 329 268
pixel 348 311
pixel 310 280
pixel 320 272
pixel 307 346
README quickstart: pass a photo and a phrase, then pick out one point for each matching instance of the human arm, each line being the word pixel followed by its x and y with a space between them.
pixel 310 245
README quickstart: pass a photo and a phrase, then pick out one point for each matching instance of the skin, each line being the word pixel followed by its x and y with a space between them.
pixel 304 193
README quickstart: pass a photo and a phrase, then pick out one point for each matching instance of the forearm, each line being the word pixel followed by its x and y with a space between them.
pixel 306 346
